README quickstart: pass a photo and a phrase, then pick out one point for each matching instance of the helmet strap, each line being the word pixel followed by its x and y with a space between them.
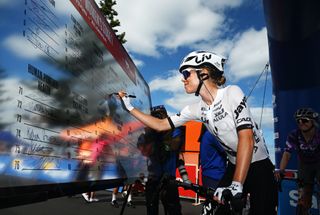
pixel 201 77
pixel 198 89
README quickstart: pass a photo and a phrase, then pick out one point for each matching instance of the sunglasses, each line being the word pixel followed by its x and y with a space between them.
pixel 303 120
pixel 186 72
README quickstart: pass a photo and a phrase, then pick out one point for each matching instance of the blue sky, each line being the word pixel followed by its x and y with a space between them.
pixel 160 33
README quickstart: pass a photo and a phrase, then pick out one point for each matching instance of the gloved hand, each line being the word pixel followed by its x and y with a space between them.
pixel 126 102
pixel 235 189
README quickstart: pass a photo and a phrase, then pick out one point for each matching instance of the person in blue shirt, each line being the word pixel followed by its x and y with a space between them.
pixel 213 159
pixel 162 150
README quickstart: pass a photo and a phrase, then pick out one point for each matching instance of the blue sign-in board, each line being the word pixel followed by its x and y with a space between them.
pixel 60 122
pixel 294 50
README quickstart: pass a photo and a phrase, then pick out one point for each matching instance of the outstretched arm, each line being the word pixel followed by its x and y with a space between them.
pixel 146 119
pixel 150 121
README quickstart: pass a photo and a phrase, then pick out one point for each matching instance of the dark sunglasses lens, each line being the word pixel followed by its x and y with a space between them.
pixel 303 120
pixel 185 74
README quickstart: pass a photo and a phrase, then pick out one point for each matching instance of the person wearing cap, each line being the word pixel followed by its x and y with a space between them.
pixel 162 151
pixel 305 140
pixel 226 114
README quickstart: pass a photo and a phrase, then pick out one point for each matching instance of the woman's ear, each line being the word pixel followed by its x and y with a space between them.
pixel 203 76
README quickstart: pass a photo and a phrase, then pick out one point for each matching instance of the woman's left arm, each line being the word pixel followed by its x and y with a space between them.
pixel 244 154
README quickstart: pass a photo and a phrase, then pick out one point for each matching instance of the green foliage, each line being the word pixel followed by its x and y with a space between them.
pixel 106 7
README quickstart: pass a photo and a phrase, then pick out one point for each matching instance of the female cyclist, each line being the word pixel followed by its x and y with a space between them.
pixel 225 113
pixel 305 140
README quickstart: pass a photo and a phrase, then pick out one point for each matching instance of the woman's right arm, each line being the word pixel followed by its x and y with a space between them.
pixel 146 119
pixel 150 121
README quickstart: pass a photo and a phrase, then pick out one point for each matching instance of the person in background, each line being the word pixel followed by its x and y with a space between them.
pixel 162 152
pixel 226 114
pixel 139 185
pixel 305 140
pixel 114 201
pixel 89 197
pixel 213 159
pixel 85 166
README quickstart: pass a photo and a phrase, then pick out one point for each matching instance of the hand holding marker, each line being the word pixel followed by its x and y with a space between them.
pixel 126 100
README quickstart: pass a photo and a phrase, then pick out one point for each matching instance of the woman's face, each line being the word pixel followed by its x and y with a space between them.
pixel 190 79
pixel 304 124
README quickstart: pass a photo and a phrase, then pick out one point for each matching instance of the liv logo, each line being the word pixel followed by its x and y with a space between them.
pixel 203 58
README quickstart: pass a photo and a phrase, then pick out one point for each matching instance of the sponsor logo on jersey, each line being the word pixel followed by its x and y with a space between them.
pixel 256 136
pixel 220 116
pixel 246 119
pixel 216 104
pixel 217 108
pixel 255 149
pixel 240 107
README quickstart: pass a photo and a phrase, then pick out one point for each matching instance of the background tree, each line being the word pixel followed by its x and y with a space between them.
pixel 106 7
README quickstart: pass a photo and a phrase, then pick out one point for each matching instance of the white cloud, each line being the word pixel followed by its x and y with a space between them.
pixel 166 24
pixel 267 116
pixel 173 86
pixel 180 100
pixel 64 9
pixel 17 43
pixel 137 62
pixel 248 55
pixel 171 83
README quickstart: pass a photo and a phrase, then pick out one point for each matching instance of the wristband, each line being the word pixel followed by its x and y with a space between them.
pixel 127 104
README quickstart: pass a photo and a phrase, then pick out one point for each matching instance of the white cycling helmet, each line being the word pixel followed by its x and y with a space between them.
pixel 200 58
pixel 306 113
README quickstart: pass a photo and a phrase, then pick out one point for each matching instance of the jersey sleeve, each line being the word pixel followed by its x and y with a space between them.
pixel 188 113
pixel 239 107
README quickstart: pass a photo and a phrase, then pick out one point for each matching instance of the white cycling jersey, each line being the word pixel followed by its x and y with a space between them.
pixel 228 114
